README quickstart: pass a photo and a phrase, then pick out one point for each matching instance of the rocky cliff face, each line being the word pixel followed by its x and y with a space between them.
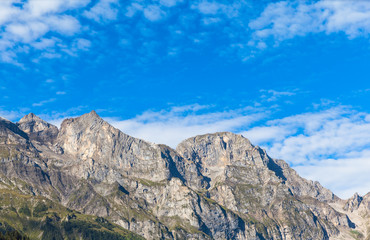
pixel 37 129
pixel 90 139
pixel 214 186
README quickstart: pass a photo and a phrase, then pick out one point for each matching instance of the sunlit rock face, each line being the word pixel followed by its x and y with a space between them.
pixel 37 129
pixel 93 140
pixel 213 186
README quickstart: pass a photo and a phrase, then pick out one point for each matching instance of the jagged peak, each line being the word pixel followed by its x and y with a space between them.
pixel 30 117
pixel 6 124
pixel 32 124
pixel 224 136
pixel 227 146
pixel 91 116
pixel 84 119
pixel 356 197
pixel 87 122
pixel 353 203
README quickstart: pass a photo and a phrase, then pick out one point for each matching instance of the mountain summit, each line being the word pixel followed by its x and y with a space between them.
pixel 38 129
pixel 213 186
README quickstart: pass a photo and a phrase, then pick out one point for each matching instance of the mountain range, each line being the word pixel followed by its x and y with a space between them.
pixel 89 180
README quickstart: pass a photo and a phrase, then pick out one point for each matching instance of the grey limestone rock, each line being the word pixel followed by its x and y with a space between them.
pixel 213 186
pixel 37 129
pixel 353 203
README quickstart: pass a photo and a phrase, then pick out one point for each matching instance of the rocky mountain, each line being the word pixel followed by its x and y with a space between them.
pixel 89 180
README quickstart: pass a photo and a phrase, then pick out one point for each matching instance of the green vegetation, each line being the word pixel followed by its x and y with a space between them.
pixel 12 235
pixel 356 234
pixel 24 210
pixel 180 225
pixel 24 217
pixel 4 152
pixel 150 183
pixel 40 210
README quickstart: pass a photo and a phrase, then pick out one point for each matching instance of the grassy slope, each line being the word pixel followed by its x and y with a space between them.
pixel 39 218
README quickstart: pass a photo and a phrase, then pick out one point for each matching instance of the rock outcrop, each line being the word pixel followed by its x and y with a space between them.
pixel 213 186
pixel 90 139
pixel 37 129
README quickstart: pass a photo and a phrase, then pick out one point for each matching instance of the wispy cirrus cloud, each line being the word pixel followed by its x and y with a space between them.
pixel 36 25
pixel 170 3
pixel 11 115
pixel 152 11
pixel 284 20
pixel 344 176
pixel 330 146
pixel 52 29
pixel 103 11
pixel 172 126
pixel 271 95
pixel 41 103
pixel 332 133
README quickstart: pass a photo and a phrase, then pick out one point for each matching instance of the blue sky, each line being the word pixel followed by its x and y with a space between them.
pixel 292 76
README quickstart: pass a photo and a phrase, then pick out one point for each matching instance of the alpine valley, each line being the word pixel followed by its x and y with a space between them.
pixel 89 180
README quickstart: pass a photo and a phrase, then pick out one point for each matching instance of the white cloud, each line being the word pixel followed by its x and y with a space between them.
pixel 104 10
pixel 26 23
pixel 344 176
pixel 154 13
pixel 38 7
pixel 266 134
pixel 273 95
pixel 41 7
pixel 10 115
pixel 64 24
pixel 206 7
pixel 9 56
pixel 45 43
pixel 7 11
pixel 288 19
pixel 83 44
pixel 151 11
pixel 173 126
pixel 170 3
pixel 214 7
pixel 50 55
pixel 211 20
pixel 32 26
pixel 26 33
pixel 41 103
pixel 321 146
pixel 133 8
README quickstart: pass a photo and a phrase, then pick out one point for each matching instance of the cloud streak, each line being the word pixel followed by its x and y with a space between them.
pixel 172 126
pixel 287 19
pixel 103 11
pixel 330 146
pixel 36 25
pixel 50 28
